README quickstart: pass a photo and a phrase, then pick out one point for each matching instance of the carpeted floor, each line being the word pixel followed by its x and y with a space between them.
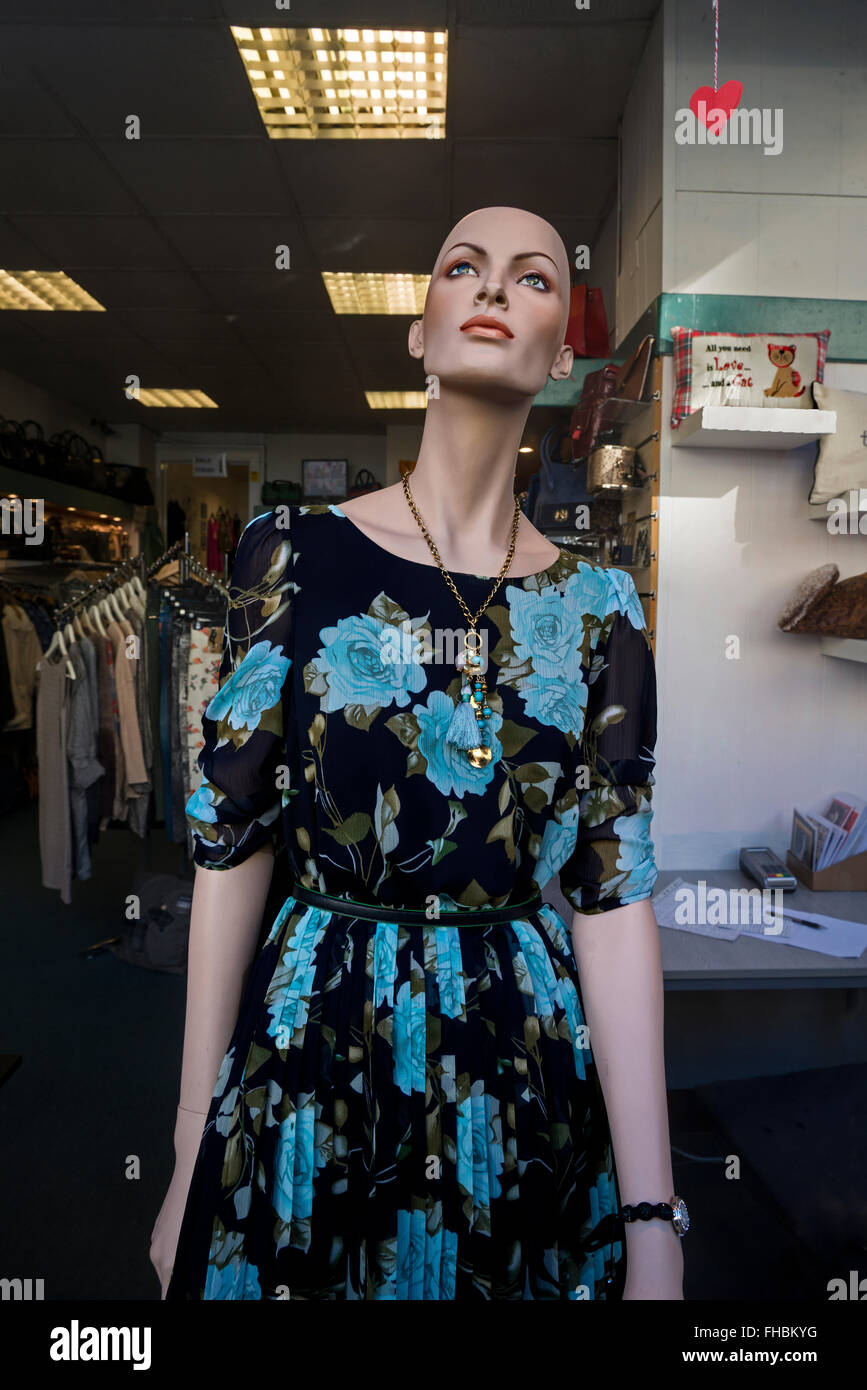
pixel 87 1116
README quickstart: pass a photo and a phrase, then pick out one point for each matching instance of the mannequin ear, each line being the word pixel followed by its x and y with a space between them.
pixel 416 338
pixel 562 364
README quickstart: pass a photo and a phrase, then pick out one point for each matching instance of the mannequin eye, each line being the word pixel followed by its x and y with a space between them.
pixel 457 266
pixel 542 283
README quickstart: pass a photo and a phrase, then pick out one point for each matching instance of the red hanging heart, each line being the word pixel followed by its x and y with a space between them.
pixel 726 99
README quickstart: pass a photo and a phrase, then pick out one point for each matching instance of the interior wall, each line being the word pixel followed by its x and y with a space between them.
pixel 22 400
pixel 742 742
pixel 285 452
pixel 739 221
pixel 639 262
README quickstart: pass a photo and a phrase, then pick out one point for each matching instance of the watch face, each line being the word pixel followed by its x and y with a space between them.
pixel 681 1215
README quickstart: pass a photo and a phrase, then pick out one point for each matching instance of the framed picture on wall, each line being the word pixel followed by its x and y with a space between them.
pixel 324 477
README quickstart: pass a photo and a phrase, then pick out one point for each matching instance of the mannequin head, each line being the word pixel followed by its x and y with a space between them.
pixel 484 269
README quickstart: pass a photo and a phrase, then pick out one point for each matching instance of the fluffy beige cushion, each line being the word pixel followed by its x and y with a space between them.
pixel 841 463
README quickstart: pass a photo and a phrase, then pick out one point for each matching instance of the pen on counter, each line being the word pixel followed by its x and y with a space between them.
pixel 793 916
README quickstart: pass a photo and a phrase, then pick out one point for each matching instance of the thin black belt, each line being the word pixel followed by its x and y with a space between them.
pixel 378 912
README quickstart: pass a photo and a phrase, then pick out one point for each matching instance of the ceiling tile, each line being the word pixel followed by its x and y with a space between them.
pixel 348 178
pixel 237 243
pixel 182 178
pixel 73 243
pixel 58 177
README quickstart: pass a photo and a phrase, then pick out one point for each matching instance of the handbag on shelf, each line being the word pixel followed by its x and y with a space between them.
pixel 631 379
pixel 364 482
pixel 12 451
pixel 280 491
pixel 587 416
pixel 587 329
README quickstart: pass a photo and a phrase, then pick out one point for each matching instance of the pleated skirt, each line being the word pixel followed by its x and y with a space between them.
pixel 406 1112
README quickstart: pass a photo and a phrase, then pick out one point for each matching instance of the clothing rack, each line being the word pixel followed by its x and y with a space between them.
pixel 188 566
pixel 118 574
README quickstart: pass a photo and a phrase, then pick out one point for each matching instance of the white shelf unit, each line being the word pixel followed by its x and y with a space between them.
pixel 856 509
pixel 752 427
pixel 846 648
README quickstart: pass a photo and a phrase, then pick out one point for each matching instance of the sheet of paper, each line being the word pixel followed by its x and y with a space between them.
pixel 665 905
pixel 840 937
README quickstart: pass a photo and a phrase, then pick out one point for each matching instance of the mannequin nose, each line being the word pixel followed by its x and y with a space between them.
pixel 493 293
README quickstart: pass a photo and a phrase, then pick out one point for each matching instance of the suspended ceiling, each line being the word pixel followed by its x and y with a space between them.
pixel 175 233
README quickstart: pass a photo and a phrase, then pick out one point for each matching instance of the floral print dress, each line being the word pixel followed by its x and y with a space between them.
pixel 411 1110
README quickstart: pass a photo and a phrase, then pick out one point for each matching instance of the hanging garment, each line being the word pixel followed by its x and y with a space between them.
pixel 215 560
pixel 166 688
pixel 409 1107
pixel 93 794
pixel 55 829
pixel 154 688
pixel 180 663
pixel 38 616
pixel 84 768
pixel 139 801
pixel 23 650
pixel 109 750
pixel 203 680
pixel 135 772
pixel 176 522
pixel 7 704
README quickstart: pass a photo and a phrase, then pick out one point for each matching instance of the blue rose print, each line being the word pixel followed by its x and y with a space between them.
pixel 560 703
pixel 201 804
pixel 409 1039
pixel 635 856
pixel 558 841
pixel 586 592
pixel 355 660
pixel 624 598
pixel 543 633
pixel 448 767
pixel 230 1275
pixel 251 689
pixel 297 1160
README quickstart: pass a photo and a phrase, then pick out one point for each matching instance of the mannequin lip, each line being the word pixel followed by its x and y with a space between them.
pixel 489 327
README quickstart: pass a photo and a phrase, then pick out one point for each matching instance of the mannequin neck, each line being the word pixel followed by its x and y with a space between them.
pixel 464 478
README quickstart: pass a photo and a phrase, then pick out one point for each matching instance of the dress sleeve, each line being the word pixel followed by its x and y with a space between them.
pixel 613 861
pixel 236 809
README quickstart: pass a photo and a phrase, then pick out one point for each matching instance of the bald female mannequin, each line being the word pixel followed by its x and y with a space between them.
pixel 509 266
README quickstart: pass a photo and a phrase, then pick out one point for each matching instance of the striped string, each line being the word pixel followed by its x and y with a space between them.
pixel 715 43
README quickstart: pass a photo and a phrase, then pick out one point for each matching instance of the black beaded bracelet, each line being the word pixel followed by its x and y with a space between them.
pixel 645 1211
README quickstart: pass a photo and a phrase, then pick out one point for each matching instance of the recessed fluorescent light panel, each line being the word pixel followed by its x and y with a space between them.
pixel 396 400
pixel 43 289
pixel 364 292
pixel 197 400
pixel 347 84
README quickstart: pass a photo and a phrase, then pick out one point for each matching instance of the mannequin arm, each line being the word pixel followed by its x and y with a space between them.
pixel 224 928
pixel 620 968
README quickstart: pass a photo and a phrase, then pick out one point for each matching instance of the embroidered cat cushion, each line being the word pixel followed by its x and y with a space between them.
pixel 764 369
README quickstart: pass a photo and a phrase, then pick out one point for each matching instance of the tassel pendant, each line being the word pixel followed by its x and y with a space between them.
pixel 469 728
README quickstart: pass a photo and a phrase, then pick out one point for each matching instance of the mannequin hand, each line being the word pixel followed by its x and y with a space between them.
pixel 164 1237
pixel 654 1262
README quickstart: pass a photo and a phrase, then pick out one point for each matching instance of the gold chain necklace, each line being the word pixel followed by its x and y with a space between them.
pixel 470 726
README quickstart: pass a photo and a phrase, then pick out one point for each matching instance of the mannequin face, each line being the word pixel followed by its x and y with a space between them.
pixel 483 270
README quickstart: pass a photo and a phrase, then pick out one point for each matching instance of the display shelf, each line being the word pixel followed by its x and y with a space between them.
pixel 752 427
pixel 856 509
pixel 63 494
pixel 616 410
pixel 846 648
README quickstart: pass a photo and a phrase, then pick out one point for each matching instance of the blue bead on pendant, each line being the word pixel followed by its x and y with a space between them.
pixel 469 728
